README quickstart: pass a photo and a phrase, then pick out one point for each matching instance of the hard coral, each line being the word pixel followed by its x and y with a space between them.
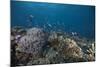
pixel 32 42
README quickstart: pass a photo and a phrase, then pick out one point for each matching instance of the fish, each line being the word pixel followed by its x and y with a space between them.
pixel 49 25
pixel 74 33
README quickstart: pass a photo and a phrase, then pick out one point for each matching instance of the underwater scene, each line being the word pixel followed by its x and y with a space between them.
pixel 51 33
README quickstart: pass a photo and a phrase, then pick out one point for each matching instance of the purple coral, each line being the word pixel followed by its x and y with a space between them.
pixel 32 42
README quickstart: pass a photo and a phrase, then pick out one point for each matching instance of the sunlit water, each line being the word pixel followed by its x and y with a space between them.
pixel 54 17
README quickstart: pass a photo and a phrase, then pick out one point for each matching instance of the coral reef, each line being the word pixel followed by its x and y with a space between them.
pixel 33 46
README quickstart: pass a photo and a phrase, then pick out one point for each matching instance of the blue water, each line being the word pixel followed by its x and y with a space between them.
pixel 51 16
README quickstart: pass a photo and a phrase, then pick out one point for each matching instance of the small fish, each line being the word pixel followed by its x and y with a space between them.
pixel 30 19
pixel 31 16
pixel 49 25
pixel 74 33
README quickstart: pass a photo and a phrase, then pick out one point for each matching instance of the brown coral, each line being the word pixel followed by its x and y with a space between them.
pixel 71 49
